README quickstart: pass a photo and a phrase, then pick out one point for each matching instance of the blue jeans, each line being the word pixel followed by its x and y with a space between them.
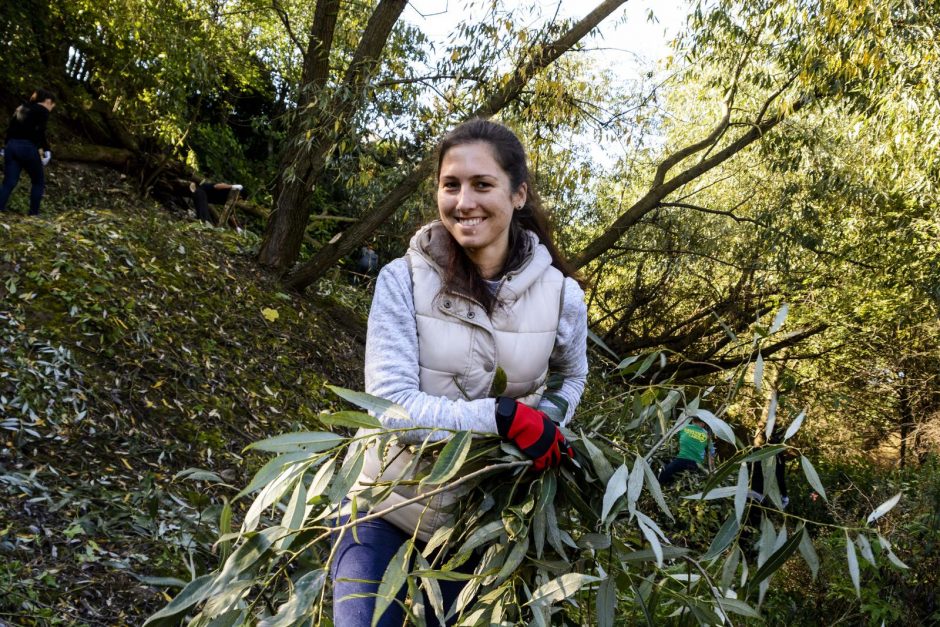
pixel 674 467
pixel 22 154
pixel 358 567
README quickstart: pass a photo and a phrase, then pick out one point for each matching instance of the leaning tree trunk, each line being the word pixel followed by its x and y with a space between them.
pixel 328 255
pixel 285 231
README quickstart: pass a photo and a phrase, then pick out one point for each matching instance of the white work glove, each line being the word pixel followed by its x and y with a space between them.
pixel 46 157
pixel 237 188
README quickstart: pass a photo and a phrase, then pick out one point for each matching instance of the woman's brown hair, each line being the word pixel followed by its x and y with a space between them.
pixel 511 157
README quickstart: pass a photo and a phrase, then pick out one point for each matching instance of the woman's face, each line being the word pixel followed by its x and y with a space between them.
pixel 476 200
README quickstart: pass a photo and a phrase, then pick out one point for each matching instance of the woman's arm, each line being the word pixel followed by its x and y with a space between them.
pixel 391 368
pixel 569 357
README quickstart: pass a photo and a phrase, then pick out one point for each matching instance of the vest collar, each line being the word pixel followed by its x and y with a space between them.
pixel 431 243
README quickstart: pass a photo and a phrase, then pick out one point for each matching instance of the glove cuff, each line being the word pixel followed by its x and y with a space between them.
pixel 505 414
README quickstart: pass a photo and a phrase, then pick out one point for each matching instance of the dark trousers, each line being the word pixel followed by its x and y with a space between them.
pixel 674 467
pixel 358 567
pixel 22 154
pixel 201 200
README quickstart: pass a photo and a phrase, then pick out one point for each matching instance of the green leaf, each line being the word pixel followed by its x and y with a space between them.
pixel 777 559
pixel 759 372
pixel 730 567
pixel 451 459
pixel 648 555
pixel 891 556
pixel 812 477
pixel 321 480
pixel 432 588
pixel 794 426
pixel 717 493
pixel 740 492
pixel 883 509
pixel 198 474
pixel 653 484
pixel 594 541
pixel 294 515
pixel 348 474
pixel 651 537
pixel 483 535
pixel 194 592
pixel 306 441
pixel 865 547
pixel 306 593
pixel 514 559
pixel 738 607
pixel 499 383
pixel 635 483
pixel 852 560
pixel 270 470
pixel 771 416
pixel 597 340
pixel 350 419
pixel 768 450
pixel 780 318
pixel 809 554
pixel 719 426
pixel 377 405
pixel 272 493
pixel 724 537
pixel 606 603
pixel 598 460
pixel 616 487
pixel 561 588
pixel 394 578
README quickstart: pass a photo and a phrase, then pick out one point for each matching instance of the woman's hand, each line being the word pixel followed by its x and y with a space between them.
pixel 533 432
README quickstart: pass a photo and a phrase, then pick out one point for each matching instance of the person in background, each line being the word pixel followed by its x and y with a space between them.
pixel 367 264
pixel 481 289
pixel 757 491
pixel 694 444
pixel 205 194
pixel 27 148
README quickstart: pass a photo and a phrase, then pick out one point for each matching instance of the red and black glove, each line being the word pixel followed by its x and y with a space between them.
pixel 532 431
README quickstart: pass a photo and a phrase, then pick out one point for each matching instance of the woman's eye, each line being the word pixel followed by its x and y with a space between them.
pixel 483 185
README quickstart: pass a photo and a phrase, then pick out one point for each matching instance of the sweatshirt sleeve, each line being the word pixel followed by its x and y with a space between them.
pixel 391 366
pixel 569 357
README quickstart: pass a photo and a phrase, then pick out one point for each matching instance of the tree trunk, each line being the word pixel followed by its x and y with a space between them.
pixel 331 253
pixel 285 231
pixel 662 188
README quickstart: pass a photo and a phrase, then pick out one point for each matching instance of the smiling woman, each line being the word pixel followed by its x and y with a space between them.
pixel 464 332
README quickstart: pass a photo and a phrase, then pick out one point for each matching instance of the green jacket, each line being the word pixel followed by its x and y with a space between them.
pixel 693 440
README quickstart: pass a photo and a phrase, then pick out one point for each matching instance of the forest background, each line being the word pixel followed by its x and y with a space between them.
pixel 763 222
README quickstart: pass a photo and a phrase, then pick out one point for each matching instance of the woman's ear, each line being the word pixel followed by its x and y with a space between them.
pixel 519 196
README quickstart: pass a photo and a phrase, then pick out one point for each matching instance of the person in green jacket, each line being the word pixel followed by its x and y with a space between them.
pixel 694 443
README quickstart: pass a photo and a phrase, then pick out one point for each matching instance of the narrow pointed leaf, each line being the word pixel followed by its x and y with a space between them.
pixel 306 594
pixel 451 459
pixel 740 493
pixel 635 483
pixel 883 509
pixel 307 441
pixel 777 558
pixel 771 416
pixel 759 372
pixel 865 547
pixel 394 578
pixel 780 318
pixel 351 419
pixel 794 426
pixel 601 466
pixel 561 588
pixel 616 487
pixel 379 406
pixel 653 484
pixel 724 537
pixel 718 426
pixel 809 554
pixel 812 477
pixel 606 603
pixel 852 560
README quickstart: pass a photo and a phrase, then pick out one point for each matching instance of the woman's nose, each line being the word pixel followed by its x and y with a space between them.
pixel 466 198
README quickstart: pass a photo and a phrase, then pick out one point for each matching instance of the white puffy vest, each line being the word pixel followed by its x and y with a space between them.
pixel 459 350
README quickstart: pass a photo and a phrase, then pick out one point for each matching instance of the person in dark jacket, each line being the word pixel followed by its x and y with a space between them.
pixel 211 193
pixel 27 148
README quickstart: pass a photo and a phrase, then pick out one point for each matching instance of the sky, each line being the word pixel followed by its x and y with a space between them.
pixel 628 41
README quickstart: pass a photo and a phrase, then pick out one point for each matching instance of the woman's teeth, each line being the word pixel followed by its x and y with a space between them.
pixel 470 221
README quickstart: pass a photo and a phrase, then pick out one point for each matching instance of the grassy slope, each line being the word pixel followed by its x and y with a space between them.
pixel 134 345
